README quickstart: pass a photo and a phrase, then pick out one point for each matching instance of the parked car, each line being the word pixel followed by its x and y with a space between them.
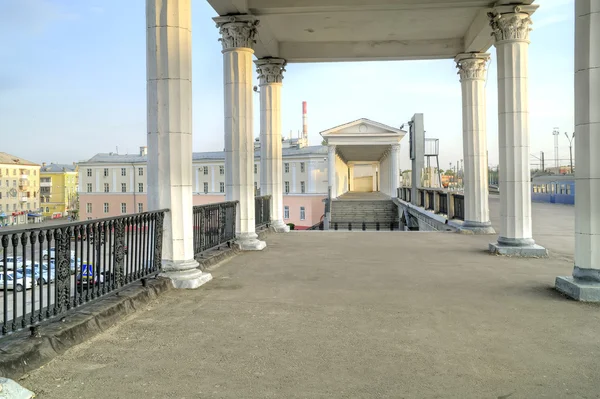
pixel 41 273
pixel 15 281
pixel 10 262
pixel 87 278
pixel 52 254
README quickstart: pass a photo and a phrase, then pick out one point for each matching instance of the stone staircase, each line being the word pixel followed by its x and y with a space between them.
pixel 358 214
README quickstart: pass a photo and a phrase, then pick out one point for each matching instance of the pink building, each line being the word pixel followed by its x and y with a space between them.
pixel 115 184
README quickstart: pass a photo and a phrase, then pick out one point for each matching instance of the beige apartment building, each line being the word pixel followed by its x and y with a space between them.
pixel 19 191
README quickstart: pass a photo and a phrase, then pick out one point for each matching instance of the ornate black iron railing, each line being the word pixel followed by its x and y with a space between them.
pixel 262 211
pixel 45 272
pixel 214 225
pixel 430 200
pixel 378 226
pixel 443 207
pixel 459 207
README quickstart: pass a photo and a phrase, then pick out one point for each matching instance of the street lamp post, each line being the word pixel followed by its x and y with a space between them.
pixel 570 149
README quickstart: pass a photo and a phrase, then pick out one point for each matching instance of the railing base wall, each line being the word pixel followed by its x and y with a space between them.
pixel 250 242
pixel 189 277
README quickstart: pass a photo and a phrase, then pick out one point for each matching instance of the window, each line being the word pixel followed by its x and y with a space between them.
pixel 106 188
pixel 89 172
pixel 140 207
pixel 286 212
pixel 287 187
pixel 0 195
pixel 302 167
pixel 286 166
pixel 302 187
pixel 89 218
pixel 105 172
pixel 89 187
pixel 255 188
pixel 123 207
pixel 205 188
pixel 123 172
pixel 221 187
pixel 568 189
pixel 123 187
pixel 302 213
pixel 14 183
pixel 140 187
pixel 88 208
pixel 140 171
pixel 255 168
pixel 106 207
pixel 205 170
pixel 47 209
pixel 221 170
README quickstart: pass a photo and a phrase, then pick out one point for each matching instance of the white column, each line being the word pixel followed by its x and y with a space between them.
pixel 270 74
pixel 472 71
pixel 395 176
pixel 584 285
pixel 374 168
pixel 511 26
pixel 169 96
pixel 351 174
pixel 238 36
pixel 332 183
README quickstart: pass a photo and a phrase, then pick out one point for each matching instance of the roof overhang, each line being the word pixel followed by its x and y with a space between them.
pixel 367 30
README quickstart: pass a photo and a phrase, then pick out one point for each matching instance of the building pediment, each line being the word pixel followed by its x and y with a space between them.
pixel 362 127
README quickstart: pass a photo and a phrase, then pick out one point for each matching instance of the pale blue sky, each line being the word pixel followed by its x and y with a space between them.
pixel 73 81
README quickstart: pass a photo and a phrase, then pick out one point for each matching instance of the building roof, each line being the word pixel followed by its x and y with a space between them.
pixel 8 159
pixel 200 156
pixel 57 168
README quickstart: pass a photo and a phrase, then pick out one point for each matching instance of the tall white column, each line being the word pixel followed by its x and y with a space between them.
pixel 351 177
pixel 238 36
pixel 375 183
pixel 584 285
pixel 332 183
pixel 395 170
pixel 169 96
pixel 472 71
pixel 511 26
pixel 270 74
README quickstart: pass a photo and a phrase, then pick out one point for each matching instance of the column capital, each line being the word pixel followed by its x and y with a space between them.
pixel 395 147
pixel 472 66
pixel 237 31
pixel 331 149
pixel 270 70
pixel 512 22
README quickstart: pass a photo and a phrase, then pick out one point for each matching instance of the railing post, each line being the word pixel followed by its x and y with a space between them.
pixel 119 252
pixel 450 203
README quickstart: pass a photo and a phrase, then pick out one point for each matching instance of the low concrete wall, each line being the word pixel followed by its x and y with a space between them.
pixel 425 220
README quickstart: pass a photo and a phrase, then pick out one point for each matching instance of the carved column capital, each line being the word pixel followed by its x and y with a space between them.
pixel 395 147
pixel 237 31
pixel 472 66
pixel 511 23
pixel 270 70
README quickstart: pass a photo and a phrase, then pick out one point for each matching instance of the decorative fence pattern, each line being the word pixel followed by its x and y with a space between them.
pixel 45 272
pixel 214 225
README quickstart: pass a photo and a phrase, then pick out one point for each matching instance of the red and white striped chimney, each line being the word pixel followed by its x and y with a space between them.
pixel 304 121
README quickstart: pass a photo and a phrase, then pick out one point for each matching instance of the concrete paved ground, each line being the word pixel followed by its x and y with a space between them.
pixel 349 315
pixel 553 226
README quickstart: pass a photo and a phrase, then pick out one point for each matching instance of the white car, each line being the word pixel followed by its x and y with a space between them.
pixel 15 281
pixel 53 254
pixel 10 262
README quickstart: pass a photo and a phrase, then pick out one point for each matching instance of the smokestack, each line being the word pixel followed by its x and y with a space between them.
pixel 304 121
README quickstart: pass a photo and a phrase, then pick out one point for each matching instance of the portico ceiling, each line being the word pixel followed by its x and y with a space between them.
pixel 353 30
pixel 362 153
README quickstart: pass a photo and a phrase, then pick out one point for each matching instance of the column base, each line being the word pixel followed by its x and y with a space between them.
pixel 280 227
pixel 250 242
pixel 184 274
pixel 525 248
pixel 479 228
pixel 578 289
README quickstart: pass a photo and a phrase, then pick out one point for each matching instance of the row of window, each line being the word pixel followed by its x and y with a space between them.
pixel 14 183
pixel 14 172
pixel 286 212
pixel 88 207
pixel 22 206
pixel 123 187
pixel 123 172
pixel 551 188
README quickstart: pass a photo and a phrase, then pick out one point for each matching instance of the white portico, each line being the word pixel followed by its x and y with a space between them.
pixel 279 32
pixel 363 142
